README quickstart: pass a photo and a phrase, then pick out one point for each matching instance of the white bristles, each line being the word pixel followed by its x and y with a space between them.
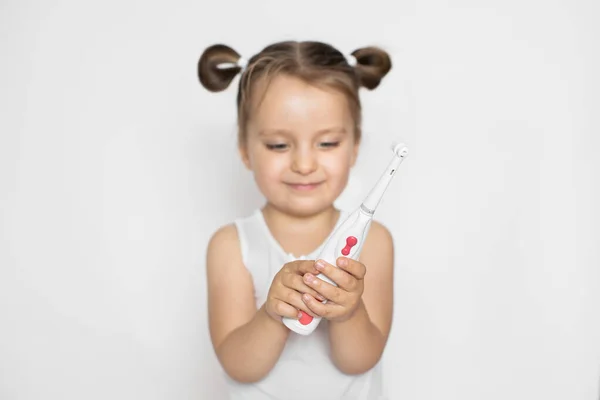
pixel 400 149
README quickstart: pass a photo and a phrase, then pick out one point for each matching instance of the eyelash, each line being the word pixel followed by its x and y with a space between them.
pixel 329 145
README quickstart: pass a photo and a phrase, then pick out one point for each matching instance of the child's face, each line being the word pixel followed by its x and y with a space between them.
pixel 300 134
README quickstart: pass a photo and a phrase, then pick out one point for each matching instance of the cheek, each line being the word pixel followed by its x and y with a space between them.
pixel 269 167
pixel 337 166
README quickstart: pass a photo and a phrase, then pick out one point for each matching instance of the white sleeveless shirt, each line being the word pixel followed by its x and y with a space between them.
pixel 304 370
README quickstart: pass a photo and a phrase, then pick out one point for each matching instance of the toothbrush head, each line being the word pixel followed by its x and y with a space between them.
pixel 399 149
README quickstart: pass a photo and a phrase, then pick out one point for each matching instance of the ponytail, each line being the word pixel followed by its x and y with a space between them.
pixel 217 67
pixel 372 64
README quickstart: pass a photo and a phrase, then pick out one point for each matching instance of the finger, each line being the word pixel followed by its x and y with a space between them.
pixel 353 267
pixel 341 278
pixel 327 310
pixel 283 309
pixel 296 282
pixel 294 299
pixel 306 267
pixel 326 289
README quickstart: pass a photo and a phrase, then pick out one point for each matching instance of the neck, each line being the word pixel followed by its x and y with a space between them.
pixel 285 222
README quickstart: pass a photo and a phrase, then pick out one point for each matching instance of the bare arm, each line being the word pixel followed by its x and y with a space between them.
pixel 247 341
pixel 358 342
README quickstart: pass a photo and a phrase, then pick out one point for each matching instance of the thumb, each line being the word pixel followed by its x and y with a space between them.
pixel 308 266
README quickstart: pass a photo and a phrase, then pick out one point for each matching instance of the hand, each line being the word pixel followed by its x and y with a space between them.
pixel 342 300
pixel 285 294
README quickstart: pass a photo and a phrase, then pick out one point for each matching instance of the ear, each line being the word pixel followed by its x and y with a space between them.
pixel 355 152
pixel 243 150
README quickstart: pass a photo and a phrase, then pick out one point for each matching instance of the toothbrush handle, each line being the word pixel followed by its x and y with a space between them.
pixel 347 241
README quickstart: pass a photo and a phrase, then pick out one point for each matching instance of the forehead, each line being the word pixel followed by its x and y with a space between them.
pixel 291 104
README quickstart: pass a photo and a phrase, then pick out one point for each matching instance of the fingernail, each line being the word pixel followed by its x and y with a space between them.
pixel 309 278
pixel 320 265
pixel 305 297
pixel 342 262
pixel 321 298
pixel 299 314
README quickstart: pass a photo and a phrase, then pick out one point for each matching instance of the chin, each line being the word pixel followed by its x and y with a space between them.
pixel 305 208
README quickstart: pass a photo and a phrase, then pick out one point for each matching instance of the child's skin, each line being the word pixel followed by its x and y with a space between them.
pixel 300 134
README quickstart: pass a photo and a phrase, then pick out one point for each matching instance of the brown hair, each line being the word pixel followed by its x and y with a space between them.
pixel 314 62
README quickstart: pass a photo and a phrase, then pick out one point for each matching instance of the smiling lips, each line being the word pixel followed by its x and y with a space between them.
pixel 304 186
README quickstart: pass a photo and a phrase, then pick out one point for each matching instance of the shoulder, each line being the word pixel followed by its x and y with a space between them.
pixel 225 235
pixel 379 238
pixel 229 235
pixel 223 252
pixel 378 250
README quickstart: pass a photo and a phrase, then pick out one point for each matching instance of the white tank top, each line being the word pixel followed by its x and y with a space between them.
pixel 304 370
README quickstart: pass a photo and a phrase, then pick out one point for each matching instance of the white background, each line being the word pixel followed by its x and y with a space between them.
pixel 116 166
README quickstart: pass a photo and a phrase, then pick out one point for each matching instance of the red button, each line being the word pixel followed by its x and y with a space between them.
pixel 305 319
pixel 350 242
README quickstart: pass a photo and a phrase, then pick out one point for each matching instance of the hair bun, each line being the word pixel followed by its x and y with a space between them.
pixel 213 76
pixel 372 64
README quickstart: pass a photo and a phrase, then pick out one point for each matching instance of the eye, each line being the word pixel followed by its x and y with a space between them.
pixel 279 146
pixel 330 144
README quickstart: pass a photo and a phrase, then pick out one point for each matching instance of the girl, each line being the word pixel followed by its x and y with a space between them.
pixel 299 118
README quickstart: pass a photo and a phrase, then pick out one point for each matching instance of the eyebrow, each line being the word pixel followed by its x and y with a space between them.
pixel 336 129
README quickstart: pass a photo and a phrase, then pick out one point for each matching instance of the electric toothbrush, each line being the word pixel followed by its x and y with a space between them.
pixel 348 239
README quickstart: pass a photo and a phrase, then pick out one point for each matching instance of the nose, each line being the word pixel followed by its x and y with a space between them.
pixel 304 161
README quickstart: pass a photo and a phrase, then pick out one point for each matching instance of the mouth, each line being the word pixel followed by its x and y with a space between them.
pixel 304 186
